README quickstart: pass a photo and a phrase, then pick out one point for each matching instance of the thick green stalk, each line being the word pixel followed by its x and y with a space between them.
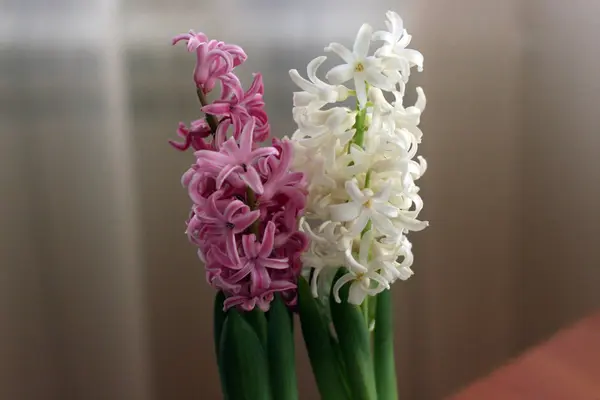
pixel 244 362
pixel 258 322
pixel 359 126
pixel 355 345
pixel 210 119
pixel 321 347
pixel 383 348
pixel 280 352
pixel 218 320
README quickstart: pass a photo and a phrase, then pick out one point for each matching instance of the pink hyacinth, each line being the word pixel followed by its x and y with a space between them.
pixel 246 201
pixel 214 59
pixel 235 159
pixel 238 107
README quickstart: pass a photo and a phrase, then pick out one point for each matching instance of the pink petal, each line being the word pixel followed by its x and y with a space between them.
pixel 243 301
pixel 232 261
pixel 280 285
pixel 249 245
pixel 213 157
pixel 257 85
pixel 231 245
pixel 220 283
pixel 252 179
pixel 225 172
pixel 242 273
pixel 233 85
pixel 212 206
pixel 263 152
pixel 180 37
pixel 246 137
pixel 232 208
pixel 230 147
pixel 260 280
pixel 266 246
pixel 275 263
pixel 218 108
pixel 244 220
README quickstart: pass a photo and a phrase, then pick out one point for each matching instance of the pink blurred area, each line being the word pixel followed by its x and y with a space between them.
pixel 101 295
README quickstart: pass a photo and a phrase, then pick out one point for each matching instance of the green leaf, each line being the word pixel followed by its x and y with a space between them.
pixel 320 346
pixel 280 351
pixel 353 336
pixel 257 319
pixel 244 363
pixel 218 320
pixel 383 348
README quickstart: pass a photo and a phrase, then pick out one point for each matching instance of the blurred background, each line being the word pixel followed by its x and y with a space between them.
pixel 102 297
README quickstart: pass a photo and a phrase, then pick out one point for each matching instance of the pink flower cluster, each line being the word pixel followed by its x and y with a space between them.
pixel 244 220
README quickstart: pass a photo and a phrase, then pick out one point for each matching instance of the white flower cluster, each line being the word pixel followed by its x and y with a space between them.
pixel 359 163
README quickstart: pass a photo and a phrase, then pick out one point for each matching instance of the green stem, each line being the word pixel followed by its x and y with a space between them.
pixel 359 126
pixel 355 345
pixel 365 310
pixel 368 179
pixel 383 348
pixel 280 352
pixel 218 320
pixel 210 119
pixel 258 321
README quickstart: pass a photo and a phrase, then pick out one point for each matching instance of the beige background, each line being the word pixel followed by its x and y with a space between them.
pixel 101 297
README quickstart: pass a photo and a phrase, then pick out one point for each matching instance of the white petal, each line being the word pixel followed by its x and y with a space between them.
pixel 383 284
pixel 300 81
pixel 311 68
pixel 405 39
pixel 377 79
pixel 397 25
pixel 344 212
pixel 384 194
pixel 386 209
pixel 336 117
pixel 338 285
pixel 361 91
pixel 340 74
pixel 411 224
pixel 352 264
pixel 377 97
pixel 413 56
pixel 303 99
pixel 383 224
pixel 365 245
pixel 341 51
pixel 423 164
pixel 404 273
pixel 421 100
pixel 361 222
pixel 384 36
pixel 313 282
pixel 354 192
pixel 356 294
pixel 362 41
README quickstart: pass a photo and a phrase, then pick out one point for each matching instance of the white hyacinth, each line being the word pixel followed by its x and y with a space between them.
pixel 363 199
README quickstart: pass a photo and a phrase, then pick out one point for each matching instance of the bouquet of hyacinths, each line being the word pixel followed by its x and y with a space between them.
pixel 314 224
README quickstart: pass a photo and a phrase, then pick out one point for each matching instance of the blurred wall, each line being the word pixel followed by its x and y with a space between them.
pixel 101 297
pixel 560 172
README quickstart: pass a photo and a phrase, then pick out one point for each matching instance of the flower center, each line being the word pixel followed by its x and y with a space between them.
pixel 368 203
pixel 359 67
pixel 229 225
pixel 245 167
